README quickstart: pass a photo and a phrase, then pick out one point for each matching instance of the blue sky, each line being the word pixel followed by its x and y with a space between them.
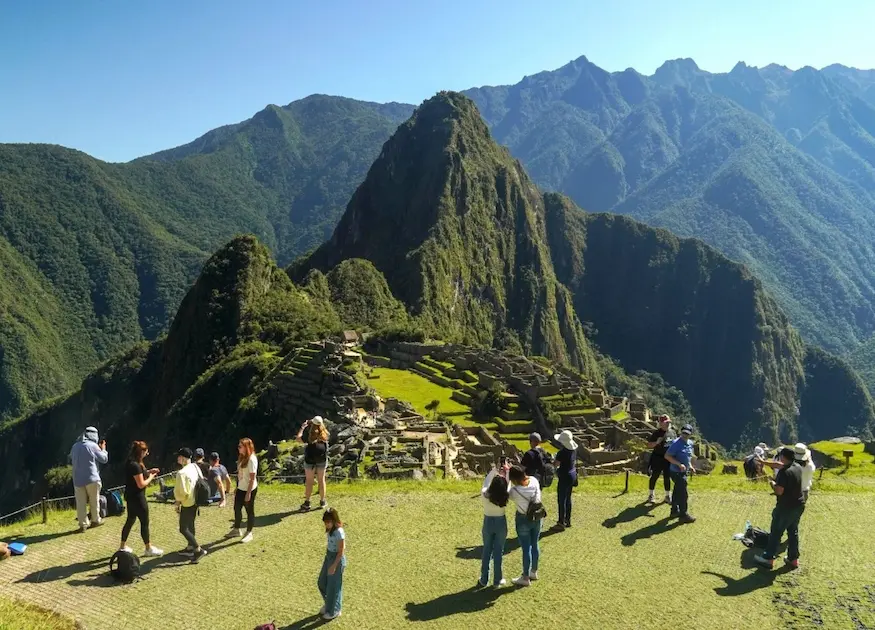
pixel 121 79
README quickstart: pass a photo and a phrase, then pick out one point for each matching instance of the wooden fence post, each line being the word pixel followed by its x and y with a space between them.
pixel 626 490
pixel 45 511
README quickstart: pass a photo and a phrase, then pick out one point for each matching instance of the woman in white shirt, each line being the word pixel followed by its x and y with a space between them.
pixel 803 456
pixel 247 488
pixel 494 494
pixel 525 492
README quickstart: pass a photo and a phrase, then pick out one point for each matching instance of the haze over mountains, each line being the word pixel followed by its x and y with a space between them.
pixel 772 167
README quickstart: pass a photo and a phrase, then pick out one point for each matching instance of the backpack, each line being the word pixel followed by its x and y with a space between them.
pixel 115 505
pixel 755 537
pixel 127 566
pixel 536 511
pixel 201 492
pixel 549 469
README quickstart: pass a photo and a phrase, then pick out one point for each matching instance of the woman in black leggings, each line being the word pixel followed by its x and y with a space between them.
pixel 136 480
pixel 247 489
pixel 659 442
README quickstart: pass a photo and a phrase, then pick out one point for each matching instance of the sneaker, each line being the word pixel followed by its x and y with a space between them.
pixel 83 529
pixel 793 564
pixel 126 549
pixel 95 524
pixel 328 617
pixel 533 575
pixel 247 538
pixel 559 526
pixel 234 533
pixel 650 498
pixel 198 555
pixel 323 504
pixel 500 583
pixel 522 580
pixel 768 563
pixel 305 506
pixel 688 518
pixel 667 499
pixel 188 552
pixel 480 584
pixel 153 552
pixel 322 611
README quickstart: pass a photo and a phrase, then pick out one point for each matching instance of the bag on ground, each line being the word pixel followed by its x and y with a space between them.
pixel 17 548
pixel 115 505
pixel 124 566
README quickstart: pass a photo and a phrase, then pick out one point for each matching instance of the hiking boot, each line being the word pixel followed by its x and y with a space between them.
pixel 688 518
pixel 793 564
pixel 567 524
pixel 153 552
pixel 83 529
pixel 95 524
pixel 768 563
pixel 247 538
pixel 522 580
pixel 533 575
pixel 305 506
pixel 198 555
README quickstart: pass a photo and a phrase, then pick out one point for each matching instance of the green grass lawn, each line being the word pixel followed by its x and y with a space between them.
pixel 20 615
pixel 861 463
pixel 414 557
pixel 415 389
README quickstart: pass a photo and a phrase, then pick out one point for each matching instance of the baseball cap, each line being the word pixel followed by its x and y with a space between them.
pixel 535 436
pixel 687 429
pixel 198 452
pixel 214 456
pixel 184 452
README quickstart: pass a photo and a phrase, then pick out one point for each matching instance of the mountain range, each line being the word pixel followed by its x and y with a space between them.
pixel 449 237
pixel 772 167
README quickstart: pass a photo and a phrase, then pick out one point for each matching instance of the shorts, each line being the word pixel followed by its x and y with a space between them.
pixel 321 466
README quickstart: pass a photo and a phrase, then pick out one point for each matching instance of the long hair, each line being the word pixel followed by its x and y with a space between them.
pixel 497 492
pixel 317 433
pixel 517 475
pixel 248 450
pixel 138 451
pixel 332 515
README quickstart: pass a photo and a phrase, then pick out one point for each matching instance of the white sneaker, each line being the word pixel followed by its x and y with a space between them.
pixel 322 611
pixel 650 498
pixel 667 498
pixel 153 552
pixel 502 582
pixel 533 575
pixel 330 617
pixel 247 538
pixel 126 549
pixel 522 580
pixel 234 533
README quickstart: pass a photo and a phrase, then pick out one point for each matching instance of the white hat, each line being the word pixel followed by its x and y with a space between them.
pixel 763 446
pixel 566 439
pixel 318 421
pixel 801 452
pixel 758 450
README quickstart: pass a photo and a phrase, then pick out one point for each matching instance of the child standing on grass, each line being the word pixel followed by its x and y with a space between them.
pixel 331 576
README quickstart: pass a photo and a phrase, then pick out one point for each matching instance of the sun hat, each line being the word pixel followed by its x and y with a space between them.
pixel 687 429
pixel 763 446
pixel 318 421
pixel 664 418
pixel 566 439
pixel 801 452
pixel 758 451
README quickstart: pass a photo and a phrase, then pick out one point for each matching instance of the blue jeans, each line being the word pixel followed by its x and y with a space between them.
pixel 679 497
pixel 494 537
pixel 785 520
pixel 331 586
pixel 528 533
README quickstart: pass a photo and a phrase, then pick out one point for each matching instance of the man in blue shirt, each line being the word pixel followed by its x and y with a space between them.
pixel 680 455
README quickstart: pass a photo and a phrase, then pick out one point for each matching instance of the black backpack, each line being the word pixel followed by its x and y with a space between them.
pixel 201 491
pixel 115 506
pixel 549 469
pixel 755 537
pixel 124 566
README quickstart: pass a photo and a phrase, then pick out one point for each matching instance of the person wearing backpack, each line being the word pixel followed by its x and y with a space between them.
pixel 566 474
pixel 536 459
pixel 247 489
pixel 186 503
pixel 526 495
pixel 330 580
pixel 86 455
pixel 494 494
pixel 137 478
pixel 659 466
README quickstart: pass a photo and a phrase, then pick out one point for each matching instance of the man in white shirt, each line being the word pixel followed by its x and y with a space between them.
pixel 184 493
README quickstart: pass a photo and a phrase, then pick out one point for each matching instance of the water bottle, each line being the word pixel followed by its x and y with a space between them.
pixel 746 526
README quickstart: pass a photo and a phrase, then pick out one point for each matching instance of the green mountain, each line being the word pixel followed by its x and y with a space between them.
pixel 96 256
pixel 475 252
pixel 774 168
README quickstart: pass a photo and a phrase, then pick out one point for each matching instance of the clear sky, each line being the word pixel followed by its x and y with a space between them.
pixel 120 78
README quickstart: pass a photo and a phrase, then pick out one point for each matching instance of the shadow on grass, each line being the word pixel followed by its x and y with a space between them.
pixel 38 538
pixel 471 600
pixel 63 572
pixel 313 621
pixel 512 544
pixel 630 514
pixel 659 527
pixel 759 577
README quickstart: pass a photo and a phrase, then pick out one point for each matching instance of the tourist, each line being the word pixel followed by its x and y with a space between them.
pixel 680 457
pixel 535 459
pixel 753 463
pixel 186 506
pixel 494 494
pixel 803 457
pixel 526 493
pixel 566 475
pixel 137 478
pixel 789 506
pixel 201 463
pixel 219 480
pixel 85 456
pixel 4 551
pixel 659 466
pixel 247 488
pixel 331 576
pixel 315 458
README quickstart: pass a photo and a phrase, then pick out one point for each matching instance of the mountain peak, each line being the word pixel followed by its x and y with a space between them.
pixel 677 72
